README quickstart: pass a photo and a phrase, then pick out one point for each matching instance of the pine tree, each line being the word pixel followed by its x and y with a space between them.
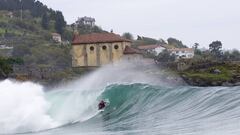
pixel 216 48
pixel 45 21
pixel 59 22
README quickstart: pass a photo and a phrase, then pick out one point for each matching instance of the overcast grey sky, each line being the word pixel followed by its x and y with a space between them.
pixel 191 21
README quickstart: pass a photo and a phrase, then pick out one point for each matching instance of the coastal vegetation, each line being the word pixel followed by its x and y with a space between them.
pixel 212 67
pixel 6 66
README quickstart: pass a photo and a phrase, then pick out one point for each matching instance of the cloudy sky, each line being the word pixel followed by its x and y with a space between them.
pixel 201 21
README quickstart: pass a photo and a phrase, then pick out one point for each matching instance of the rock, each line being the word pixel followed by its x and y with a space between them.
pixel 216 71
pixel 227 84
pixel 237 84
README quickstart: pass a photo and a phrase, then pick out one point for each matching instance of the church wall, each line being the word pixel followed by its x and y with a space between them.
pixel 117 51
pixel 91 50
pixel 105 53
pixel 78 56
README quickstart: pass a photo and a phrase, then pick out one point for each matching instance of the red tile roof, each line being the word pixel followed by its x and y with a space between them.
pixel 130 50
pixel 148 47
pixel 55 34
pixel 97 38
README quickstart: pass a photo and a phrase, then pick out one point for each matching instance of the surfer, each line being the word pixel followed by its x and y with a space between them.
pixel 101 105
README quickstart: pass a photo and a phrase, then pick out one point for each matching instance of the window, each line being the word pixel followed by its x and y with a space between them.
pixel 116 47
pixel 92 48
pixel 104 47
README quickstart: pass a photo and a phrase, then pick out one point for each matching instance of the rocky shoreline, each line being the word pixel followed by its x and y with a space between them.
pixel 206 83
pixel 218 74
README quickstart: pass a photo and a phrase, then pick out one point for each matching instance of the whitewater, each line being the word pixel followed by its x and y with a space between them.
pixel 139 104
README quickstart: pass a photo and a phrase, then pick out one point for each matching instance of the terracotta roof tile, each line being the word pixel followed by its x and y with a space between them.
pixel 97 38
pixel 55 34
pixel 130 50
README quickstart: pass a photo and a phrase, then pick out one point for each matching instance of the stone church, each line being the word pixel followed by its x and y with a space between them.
pixel 97 49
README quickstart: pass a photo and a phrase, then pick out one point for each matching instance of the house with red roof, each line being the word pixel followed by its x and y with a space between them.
pixel 98 49
pixel 132 55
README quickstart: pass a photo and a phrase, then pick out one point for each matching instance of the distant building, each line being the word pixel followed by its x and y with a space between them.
pixel 97 49
pixel 86 21
pixel 154 49
pixel 132 54
pixel 10 14
pixel 3 47
pixel 6 51
pixel 57 37
pixel 182 52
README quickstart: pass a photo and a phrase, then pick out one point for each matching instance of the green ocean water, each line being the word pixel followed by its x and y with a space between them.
pixel 148 109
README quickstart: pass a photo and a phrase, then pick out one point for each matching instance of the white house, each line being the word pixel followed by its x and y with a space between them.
pixel 155 49
pixel 57 37
pixel 187 53
pixel 86 21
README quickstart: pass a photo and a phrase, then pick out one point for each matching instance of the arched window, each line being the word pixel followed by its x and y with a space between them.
pixel 92 48
pixel 104 47
pixel 116 47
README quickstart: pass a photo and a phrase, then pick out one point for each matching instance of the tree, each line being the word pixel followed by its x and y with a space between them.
pixel 147 40
pixel 216 49
pixel 165 56
pixel 231 55
pixel 127 35
pixel 195 46
pixel 196 50
pixel 36 8
pixel 139 37
pixel 176 43
pixel 6 65
pixel 235 55
pixel 45 21
pixel 59 22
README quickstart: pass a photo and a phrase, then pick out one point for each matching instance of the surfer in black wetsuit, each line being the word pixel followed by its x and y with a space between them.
pixel 101 105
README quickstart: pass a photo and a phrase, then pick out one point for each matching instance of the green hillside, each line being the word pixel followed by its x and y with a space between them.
pixel 29 31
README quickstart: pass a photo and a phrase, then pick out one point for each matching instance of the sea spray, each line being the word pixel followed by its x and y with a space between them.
pixel 23 108
pixel 32 109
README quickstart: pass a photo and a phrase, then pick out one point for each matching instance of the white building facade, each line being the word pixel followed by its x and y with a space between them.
pixel 57 37
pixel 154 49
pixel 86 21
pixel 185 53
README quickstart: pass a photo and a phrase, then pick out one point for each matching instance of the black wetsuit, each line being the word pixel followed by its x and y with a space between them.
pixel 101 105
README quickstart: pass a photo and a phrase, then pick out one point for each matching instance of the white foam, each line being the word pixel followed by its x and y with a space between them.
pixel 23 108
